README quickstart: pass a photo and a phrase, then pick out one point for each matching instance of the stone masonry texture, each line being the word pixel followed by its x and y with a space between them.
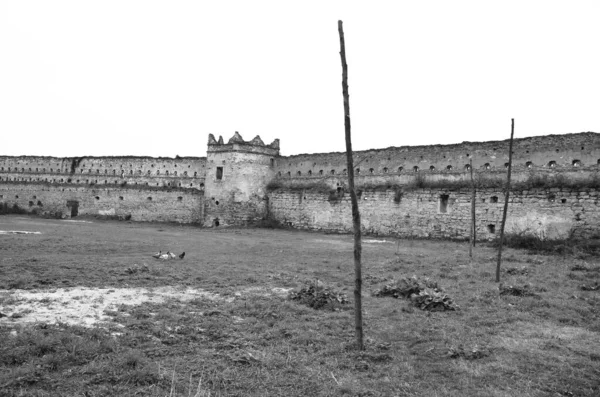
pixel 244 182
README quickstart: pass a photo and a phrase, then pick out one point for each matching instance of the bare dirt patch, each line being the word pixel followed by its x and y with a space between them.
pixel 83 306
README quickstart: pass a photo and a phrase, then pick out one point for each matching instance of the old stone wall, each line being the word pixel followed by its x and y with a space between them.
pixel 231 186
pixel 441 213
pixel 538 154
pixel 148 171
pixel 138 204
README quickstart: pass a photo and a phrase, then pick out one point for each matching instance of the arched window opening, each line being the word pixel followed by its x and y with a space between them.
pixel 449 167
pixel 385 170
pixel 576 163
pixel 552 164
pixel 320 172
pixel 529 164
pixel 487 166
pixel 309 172
pixel 298 173
pixel 332 172
pixel 416 168
pixel 432 168
pixel 467 167
pixel 371 170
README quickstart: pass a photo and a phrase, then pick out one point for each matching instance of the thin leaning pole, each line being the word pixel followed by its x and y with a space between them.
pixel 358 322
pixel 510 146
pixel 472 234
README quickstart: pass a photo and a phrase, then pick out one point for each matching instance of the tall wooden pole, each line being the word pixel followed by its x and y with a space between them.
pixel 472 234
pixel 473 221
pixel 510 146
pixel 358 323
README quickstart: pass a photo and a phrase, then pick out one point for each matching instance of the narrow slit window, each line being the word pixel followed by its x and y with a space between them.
pixel 219 173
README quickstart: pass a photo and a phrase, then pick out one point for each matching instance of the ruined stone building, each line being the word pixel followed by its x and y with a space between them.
pixel 421 191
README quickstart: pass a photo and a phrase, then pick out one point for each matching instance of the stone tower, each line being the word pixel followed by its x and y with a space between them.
pixel 237 174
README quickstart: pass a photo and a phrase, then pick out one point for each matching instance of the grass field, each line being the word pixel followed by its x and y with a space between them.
pixel 220 323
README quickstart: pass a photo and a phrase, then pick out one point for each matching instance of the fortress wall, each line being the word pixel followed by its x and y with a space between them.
pixel 534 153
pixel 439 213
pixel 143 204
pixel 178 172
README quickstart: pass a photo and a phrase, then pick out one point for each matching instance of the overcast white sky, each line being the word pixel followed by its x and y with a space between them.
pixel 156 77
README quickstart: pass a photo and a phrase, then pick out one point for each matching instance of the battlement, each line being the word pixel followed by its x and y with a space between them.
pixel 237 144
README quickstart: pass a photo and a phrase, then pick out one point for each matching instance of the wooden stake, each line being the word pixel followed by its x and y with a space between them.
pixel 358 323
pixel 473 221
pixel 472 233
pixel 510 146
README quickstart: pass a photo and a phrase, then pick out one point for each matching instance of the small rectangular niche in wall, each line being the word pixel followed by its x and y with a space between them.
pixel 219 173
pixel 149 198
pixel 180 198
pixel 444 203
pixel 491 229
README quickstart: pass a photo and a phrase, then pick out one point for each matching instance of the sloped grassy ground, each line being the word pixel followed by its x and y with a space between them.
pixel 257 343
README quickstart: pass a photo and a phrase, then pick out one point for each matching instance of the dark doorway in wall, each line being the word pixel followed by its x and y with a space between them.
pixel 491 229
pixel 73 205
pixel 216 222
pixel 219 173
pixel 444 203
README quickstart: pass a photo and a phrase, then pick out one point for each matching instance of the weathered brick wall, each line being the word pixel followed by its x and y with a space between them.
pixel 420 213
pixel 141 204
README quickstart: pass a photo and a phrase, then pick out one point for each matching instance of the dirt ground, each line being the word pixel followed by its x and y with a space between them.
pixel 87 310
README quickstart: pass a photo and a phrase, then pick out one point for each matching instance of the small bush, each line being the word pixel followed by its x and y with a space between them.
pixel 319 297
pixel 270 223
pixel 423 293
pixel 579 248
pixel 6 209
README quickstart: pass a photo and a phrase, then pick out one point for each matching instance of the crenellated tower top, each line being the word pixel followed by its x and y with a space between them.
pixel 237 144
